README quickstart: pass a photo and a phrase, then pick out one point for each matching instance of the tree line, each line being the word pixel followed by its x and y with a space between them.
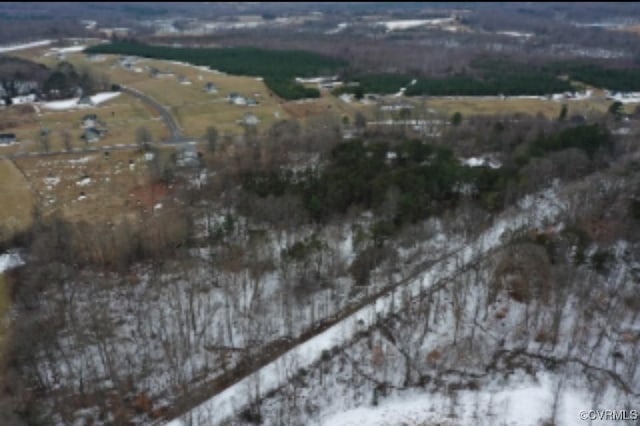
pixel 277 67
pixel 411 181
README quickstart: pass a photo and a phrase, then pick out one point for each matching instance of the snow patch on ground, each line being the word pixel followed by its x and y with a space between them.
pixel 73 103
pixel 52 181
pixel 522 401
pixel 625 98
pixel 82 160
pixel 84 181
pixel 481 161
pixel 10 260
pixel 99 98
pixel 341 27
pixel 70 49
pixel 24 46
pixel 412 23
pixel 516 34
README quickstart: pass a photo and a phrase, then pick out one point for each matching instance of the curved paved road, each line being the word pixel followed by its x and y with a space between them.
pixel 176 137
pixel 175 130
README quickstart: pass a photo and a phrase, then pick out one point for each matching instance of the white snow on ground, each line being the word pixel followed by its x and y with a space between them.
pixel 52 181
pixel 341 26
pixel 24 46
pixel 73 103
pixel 61 105
pixel 517 34
pixel 84 182
pixel 316 79
pixel 82 160
pixel 10 260
pixel 481 161
pixel 99 98
pixel 412 23
pixel 345 97
pixel 70 49
pixel 523 401
pixel 626 97
pixel 227 403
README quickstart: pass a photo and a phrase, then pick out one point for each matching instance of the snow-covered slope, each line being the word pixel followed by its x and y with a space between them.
pixel 235 398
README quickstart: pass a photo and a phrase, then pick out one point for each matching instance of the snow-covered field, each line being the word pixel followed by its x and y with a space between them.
pixel 11 48
pixel 626 97
pixel 65 104
pixel 229 402
pixel 516 34
pixel 404 24
pixel 522 401
pixel 68 49
pixel 339 28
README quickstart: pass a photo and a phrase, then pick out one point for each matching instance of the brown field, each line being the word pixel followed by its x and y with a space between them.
pixel 550 109
pixel 92 186
pixel 16 200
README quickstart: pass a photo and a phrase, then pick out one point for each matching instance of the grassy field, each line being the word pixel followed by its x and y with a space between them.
pixel 91 187
pixel 196 110
pixel 16 200
pixel 509 106
pixel 121 117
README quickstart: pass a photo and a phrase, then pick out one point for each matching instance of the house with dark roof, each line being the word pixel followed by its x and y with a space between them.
pixel 91 135
pixel 7 139
pixel 210 88
pixel 89 120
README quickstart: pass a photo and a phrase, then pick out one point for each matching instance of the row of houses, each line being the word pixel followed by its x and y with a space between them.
pixel 93 131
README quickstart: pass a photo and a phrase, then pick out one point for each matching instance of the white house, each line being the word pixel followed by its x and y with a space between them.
pixel 250 119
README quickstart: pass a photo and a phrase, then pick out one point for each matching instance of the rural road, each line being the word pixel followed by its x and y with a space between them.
pixel 176 137
pixel 175 130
